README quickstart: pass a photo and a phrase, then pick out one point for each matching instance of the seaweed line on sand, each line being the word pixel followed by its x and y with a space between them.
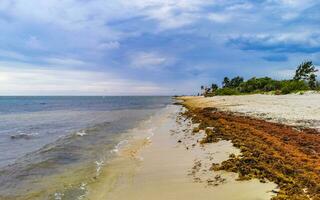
pixel 269 151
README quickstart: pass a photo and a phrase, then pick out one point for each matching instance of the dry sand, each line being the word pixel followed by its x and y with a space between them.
pixel 172 165
pixel 293 109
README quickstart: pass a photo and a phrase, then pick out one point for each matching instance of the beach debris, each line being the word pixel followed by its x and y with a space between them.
pixel 216 181
pixel 279 153
pixel 195 130
pixel 232 155
pixel 196 167
pixel 215 166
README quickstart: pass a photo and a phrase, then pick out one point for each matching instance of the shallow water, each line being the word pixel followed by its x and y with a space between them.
pixel 52 147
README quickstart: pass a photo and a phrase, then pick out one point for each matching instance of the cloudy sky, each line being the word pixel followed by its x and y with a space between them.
pixel 146 47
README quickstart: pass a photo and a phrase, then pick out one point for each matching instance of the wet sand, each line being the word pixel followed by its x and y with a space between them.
pixel 169 163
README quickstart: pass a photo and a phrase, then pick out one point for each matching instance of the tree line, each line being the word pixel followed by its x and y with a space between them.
pixel 303 79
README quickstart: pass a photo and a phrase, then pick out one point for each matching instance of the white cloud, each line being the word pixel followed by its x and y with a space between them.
pixel 296 3
pixel 21 79
pixel 52 61
pixel 220 18
pixel 12 55
pixel 148 60
pixel 73 15
pixel 240 6
pixel 289 9
pixel 168 17
pixel 283 74
pixel 304 40
pixel 109 45
pixel 60 62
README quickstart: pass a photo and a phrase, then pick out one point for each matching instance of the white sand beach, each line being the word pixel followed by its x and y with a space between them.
pixel 294 109
pixel 172 165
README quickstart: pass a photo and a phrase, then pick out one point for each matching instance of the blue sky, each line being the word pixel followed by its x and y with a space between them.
pixel 147 47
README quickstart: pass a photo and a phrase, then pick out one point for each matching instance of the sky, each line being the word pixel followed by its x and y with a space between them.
pixel 150 47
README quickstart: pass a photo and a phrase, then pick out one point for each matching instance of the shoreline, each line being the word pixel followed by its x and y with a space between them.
pixel 204 148
pixel 172 165
pixel 63 168
pixel 285 154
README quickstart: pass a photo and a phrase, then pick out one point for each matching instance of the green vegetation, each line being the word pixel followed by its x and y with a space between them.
pixel 226 91
pixel 304 79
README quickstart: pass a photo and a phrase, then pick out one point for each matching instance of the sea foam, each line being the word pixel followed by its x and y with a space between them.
pixel 119 145
pixel 23 135
pixel 81 133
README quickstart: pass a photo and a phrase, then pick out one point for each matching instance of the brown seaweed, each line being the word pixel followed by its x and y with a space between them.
pixel 288 156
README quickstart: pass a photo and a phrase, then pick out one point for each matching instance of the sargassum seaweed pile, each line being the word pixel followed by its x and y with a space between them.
pixel 288 156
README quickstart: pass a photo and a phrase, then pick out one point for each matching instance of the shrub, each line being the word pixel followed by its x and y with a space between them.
pixel 226 91
pixel 210 94
pixel 271 87
pixel 293 86
pixel 254 84
pixel 235 82
pixel 214 87
pixel 318 86
pixel 312 82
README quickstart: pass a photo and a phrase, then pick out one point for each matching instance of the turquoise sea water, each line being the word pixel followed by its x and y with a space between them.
pixel 49 141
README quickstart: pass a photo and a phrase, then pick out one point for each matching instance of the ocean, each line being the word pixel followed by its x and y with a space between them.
pixel 52 147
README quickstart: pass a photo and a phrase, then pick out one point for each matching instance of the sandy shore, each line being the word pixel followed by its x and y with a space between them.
pixel 171 164
pixel 293 109
pixel 278 137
